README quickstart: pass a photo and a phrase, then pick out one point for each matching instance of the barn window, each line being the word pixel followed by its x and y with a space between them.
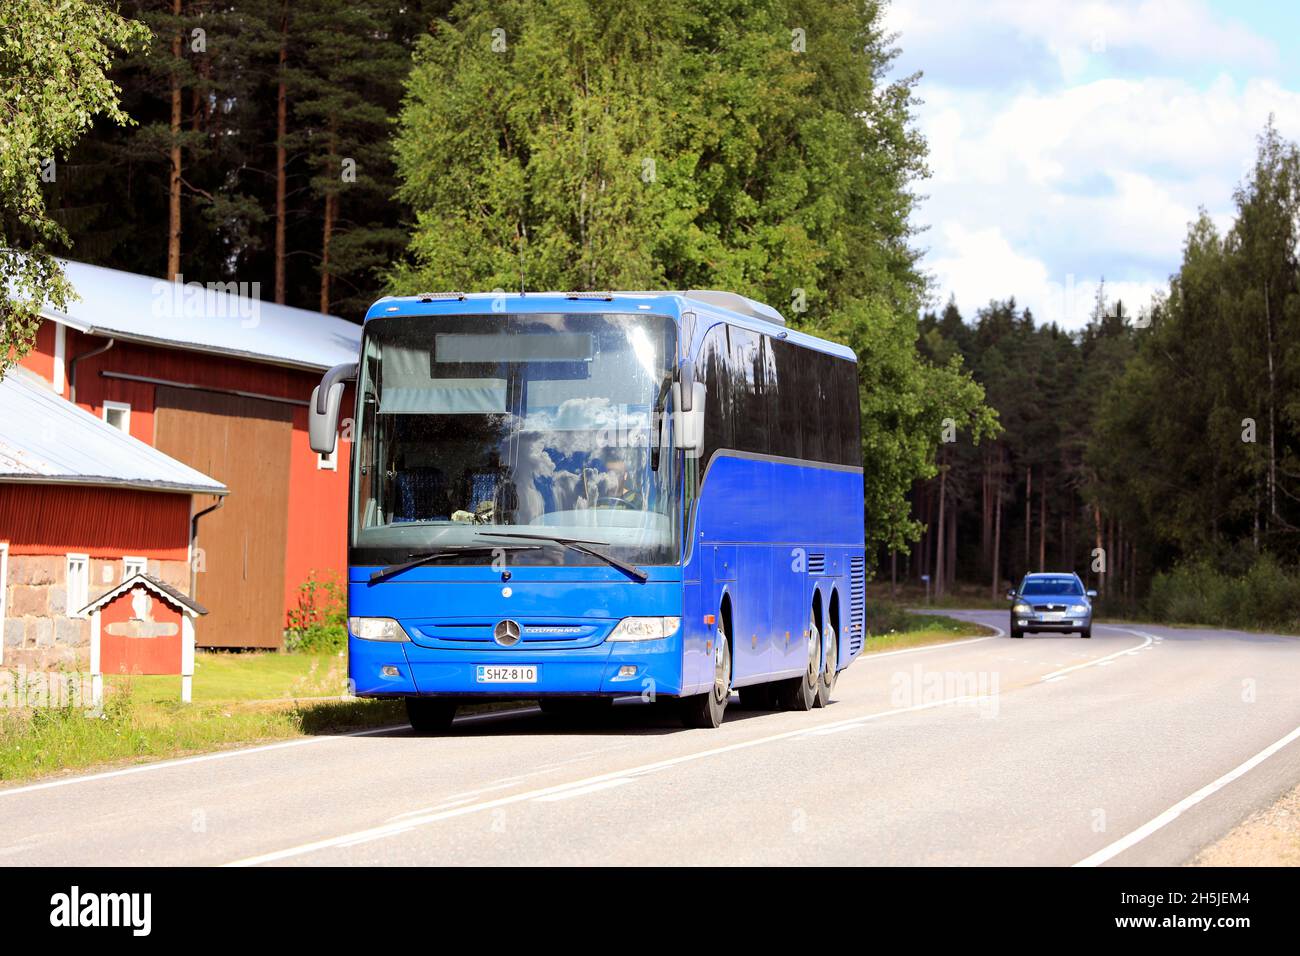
pixel 118 414
pixel 78 582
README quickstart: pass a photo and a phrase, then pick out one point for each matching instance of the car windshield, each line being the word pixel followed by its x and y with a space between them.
pixel 1041 587
pixel 541 423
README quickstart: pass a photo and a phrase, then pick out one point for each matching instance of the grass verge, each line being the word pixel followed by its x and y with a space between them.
pixel 248 699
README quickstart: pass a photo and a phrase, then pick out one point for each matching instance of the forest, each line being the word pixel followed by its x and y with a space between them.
pixel 333 153
pixel 1155 450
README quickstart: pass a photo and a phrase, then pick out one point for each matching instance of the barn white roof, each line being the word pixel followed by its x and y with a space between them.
pixel 46 439
pixel 225 319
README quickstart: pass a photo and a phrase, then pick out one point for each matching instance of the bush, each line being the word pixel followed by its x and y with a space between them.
pixel 320 621
pixel 1266 595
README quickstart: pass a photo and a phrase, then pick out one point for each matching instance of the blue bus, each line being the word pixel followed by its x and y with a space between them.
pixel 579 497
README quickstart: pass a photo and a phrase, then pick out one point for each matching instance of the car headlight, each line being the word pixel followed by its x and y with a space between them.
pixel 1021 609
pixel 376 629
pixel 644 628
pixel 1078 609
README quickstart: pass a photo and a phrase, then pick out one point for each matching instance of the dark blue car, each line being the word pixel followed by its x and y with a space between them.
pixel 1051 602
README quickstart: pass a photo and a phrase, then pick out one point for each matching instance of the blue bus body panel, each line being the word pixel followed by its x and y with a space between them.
pixel 565 614
pixel 771 536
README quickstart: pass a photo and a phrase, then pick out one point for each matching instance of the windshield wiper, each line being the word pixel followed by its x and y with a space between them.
pixel 577 544
pixel 419 559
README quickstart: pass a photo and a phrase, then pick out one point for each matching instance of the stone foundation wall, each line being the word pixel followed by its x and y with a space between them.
pixel 38 631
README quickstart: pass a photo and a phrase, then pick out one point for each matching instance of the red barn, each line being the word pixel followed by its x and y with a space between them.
pixel 83 506
pixel 219 380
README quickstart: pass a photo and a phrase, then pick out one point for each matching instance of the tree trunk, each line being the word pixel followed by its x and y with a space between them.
pixel 331 210
pixel 951 549
pixel 1101 576
pixel 174 184
pixel 997 533
pixel 1029 523
pixel 1042 521
pixel 281 158
pixel 937 576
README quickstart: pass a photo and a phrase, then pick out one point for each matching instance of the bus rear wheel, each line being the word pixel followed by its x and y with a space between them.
pixel 830 665
pixel 800 693
pixel 706 710
pixel 430 715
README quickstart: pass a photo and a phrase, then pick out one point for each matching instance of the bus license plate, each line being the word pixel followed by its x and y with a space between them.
pixel 507 674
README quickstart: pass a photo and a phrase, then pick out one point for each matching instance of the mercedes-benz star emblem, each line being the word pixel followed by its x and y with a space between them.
pixel 507 633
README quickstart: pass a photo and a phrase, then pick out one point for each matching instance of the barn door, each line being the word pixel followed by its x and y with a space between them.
pixel 243 443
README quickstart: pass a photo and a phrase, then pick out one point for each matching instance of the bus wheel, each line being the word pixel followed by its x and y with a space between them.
pixel 830 665
pixel 430 715
pixel 800 693
pixel 706 710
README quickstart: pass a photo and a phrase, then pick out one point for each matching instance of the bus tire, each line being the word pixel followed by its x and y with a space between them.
pixel 430 715
pixel 830 665
pixel 800 693
pixel 706 710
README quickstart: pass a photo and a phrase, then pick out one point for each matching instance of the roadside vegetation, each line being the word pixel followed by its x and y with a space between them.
pixel 239 699
pixel 893 627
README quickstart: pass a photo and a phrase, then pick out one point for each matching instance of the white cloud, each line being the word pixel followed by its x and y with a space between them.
pixel 1040 190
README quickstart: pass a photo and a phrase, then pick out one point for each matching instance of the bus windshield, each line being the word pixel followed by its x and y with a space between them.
pixel 545 424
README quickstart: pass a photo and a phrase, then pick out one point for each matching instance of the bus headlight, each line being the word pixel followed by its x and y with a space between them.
pixel 644 628
pixel 376 629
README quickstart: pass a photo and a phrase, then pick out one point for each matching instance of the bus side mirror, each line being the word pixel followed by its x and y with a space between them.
pixel 323 412
pixel 689 430
pixel 687 393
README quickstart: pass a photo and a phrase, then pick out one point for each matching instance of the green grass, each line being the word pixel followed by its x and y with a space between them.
pixel 248 676
pixel 246 699
pixel 890 628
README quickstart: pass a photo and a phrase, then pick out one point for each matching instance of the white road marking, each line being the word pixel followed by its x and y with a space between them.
pixel 867 658
pixel 1146 641
pixel 391 829
pixel 1174 812
pixel 582 791
pixel 263 748
pixel 184 761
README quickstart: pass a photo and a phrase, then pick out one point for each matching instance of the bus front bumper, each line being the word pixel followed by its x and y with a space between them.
pixel 405 669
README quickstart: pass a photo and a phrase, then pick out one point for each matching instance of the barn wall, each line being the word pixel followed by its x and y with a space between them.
pixel 43 523
pixel 317 509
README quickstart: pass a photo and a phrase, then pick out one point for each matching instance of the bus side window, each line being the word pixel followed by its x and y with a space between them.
pixel 788 404
pixel 747 411
pixel 851 442
pixel 809 397
pixel 713 363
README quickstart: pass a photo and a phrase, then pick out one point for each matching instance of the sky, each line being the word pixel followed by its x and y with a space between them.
pixel 1075 141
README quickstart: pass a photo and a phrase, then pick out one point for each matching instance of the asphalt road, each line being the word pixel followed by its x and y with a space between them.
pixel 1137 747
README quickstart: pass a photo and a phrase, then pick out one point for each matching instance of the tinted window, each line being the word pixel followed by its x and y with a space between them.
pixel 786 433
pixel 713 367
pixel 747 390
pixel 809 400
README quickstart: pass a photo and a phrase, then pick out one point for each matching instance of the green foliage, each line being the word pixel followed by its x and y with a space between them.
pixel 54 57
pixel 1199 439
pixel 320 621
pixel 1265 596
pixel 599 144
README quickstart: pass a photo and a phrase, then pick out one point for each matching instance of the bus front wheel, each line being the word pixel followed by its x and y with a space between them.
pixel 706 710
pixel 430 715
